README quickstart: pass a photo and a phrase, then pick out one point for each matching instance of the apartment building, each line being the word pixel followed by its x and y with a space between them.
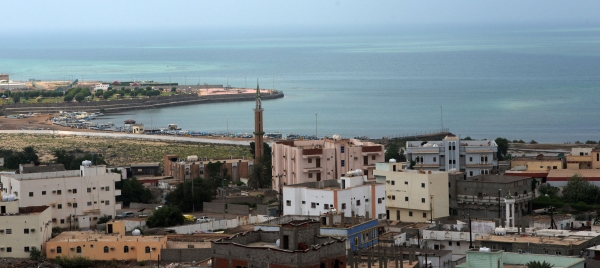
pixel 301 161
pixel 584 158
pixel 351 195
pixel 83 195
pixel 457 236
pixel 413 195
pixel 536 163
pixel 193 167
pixel 468 156
pixel 23 228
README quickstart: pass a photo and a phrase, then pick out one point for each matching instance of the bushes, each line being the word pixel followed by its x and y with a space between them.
pixel 35 254
pixel 74 262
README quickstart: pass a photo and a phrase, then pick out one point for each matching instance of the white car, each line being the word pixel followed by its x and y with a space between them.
pixel 203 219
pixel 159 207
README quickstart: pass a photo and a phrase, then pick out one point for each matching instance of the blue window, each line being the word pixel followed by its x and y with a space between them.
pixel 342 149
pixel 343 162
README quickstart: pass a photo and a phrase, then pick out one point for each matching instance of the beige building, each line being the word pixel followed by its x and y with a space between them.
pixel 301 161
pixel 193 167
pixel 87 193
pixel 23 228
pixel 582 158
pixel 105 247
pixel 413 195
pixel 536 163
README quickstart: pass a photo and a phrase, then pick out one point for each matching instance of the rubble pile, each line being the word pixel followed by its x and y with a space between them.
pixel 26 263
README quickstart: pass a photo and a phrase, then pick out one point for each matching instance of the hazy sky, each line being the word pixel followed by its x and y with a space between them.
pixel 25 16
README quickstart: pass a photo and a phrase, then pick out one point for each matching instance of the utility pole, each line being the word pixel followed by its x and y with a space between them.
pixel 499 207
pixel 470 234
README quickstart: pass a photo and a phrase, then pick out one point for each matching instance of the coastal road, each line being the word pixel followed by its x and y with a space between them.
pixel 129 136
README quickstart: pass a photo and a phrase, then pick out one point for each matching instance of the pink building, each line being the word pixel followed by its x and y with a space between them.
pixel 303 161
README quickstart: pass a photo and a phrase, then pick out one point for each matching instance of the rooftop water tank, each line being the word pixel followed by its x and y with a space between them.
pixel 136 232
pixel 86 163
pixel 500 231
pixel 357 172
pixel 484 249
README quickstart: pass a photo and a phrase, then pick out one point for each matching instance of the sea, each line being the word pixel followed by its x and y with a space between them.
pixel 526 82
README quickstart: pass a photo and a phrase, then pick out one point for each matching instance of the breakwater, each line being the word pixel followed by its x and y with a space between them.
pixel 121 105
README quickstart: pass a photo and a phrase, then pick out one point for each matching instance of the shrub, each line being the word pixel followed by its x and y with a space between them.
pixel 104 219
pixel 74 262
pixel 141 263
pixel 35 254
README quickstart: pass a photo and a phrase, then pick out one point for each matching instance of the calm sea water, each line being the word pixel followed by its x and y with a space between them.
pixel 514 82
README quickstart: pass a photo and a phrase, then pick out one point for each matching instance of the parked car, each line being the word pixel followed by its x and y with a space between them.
pixel 189 217
pixel 159 207
pixel 127 214
pixel 203 219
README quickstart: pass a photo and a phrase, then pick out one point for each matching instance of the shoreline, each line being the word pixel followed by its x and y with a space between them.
pixel 117 106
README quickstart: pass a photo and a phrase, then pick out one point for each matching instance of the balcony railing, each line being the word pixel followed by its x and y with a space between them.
pixel 486 200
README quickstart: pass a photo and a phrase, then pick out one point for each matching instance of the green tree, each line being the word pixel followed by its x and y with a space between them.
pixel 392 152
pixel 73 162
pixel 68 98
pixel 533 142
pixel 173 89
pixel 266 149
pixel 502 148
pixel 538 264
pixel 468 138
pixel 133 190
pixel 27 156
pixel 181 197
pixel 35 254
pixel 579 190
pixel 259 176
pixel 547 189
pixel 104 219
pixel 79 97
pixel 99 92
pixel 165 217
pixel 16 98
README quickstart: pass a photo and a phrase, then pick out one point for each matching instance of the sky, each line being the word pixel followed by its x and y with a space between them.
pixel 132 15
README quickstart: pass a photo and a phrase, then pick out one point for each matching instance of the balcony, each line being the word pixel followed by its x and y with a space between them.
pixel 480 165
pixel 309 169
pixel 117 192
pixel 491 200
pixel 118 205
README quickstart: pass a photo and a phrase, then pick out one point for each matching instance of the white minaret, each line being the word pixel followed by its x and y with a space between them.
pixel 510 211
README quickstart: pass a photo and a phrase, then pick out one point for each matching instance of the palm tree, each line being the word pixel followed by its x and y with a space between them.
pixel 258 177
pixel 538 264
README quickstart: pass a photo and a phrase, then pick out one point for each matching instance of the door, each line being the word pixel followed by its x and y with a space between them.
pixel 366 160
pixel 318 162
pixel 318 176
pixel 286 242
pixel 109 228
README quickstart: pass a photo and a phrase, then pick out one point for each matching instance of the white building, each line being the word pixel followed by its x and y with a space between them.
pixel 87 193
pixel 104 87
pixel 23 228
pixel 468 156
pixel 456 237
pixel 352 193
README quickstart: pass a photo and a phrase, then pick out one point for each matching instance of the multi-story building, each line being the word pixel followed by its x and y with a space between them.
pixel 297 244
pixel 301 161
pixel 413 195
pixel 494 258
pixel 457 237
pixel 468 156
pixel 192 167
pixel 536 163
pixel 23 228
pixel 352 195
pixel 483 195
pixel 581 158
pixel 84 195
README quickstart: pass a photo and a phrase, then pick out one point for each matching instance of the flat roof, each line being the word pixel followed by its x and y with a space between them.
pixel 564 173
pixel 494 178
pixel 88 236
pixel 569 239
pixel 536 158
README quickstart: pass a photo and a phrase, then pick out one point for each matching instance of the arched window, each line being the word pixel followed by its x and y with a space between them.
pixel 147 249
pixel 78 249
pixel 126 249
pixel 105 249
pixel 58 250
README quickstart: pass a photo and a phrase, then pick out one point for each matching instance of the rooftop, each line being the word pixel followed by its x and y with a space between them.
pixel 495 178
pixel 537 158
pixel 564 173
pixel 95 236
pixel 554 237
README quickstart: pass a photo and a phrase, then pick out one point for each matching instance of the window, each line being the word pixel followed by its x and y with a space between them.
pixel 406 183
pixel 147 249
pixel 554 167
pixel 78 249
pixel 310 160
pixel 406 198
pixel 58 192
pixel 303 202
pixel 342 149
pixel 8 231
pixel 558 253
pixel 410 213
pixel 106 202
pixel 107 188
pixel 89 203
pixel 470 173
pixel 58 250
pixel 393 197
pixel 9 249
pixel 422 185
pixel 422 200
pixel 74 205
pixel 373 157
pixel 74 191
pixel 358 202
pixel 59 206
pixel 458 243
pixel 424 214
pixel 434 159
pixel 62 221
pixel 126 249
pixel 545 252
pixel 310 175
pixel 449 184
pixel 449 243
pixel 288 202
pixel 393 182
pixel 30 193
pixel 379 200
pixel 313 205
pixel 343 163
pixel 26 231
pixel 367 200
pixel 343 205
pixel 89 190
pixel 325 206
pixel 105 249
pixel 356 241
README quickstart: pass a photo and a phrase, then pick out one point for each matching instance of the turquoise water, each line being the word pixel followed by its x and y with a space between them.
pixel 519 82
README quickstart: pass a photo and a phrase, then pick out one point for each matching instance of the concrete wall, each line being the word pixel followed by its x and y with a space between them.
pixel 210 207
pixel 238 199
pixel 185 255
pixel 262 209
pixel 218 224
pixel 133 205
pixel 238 209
